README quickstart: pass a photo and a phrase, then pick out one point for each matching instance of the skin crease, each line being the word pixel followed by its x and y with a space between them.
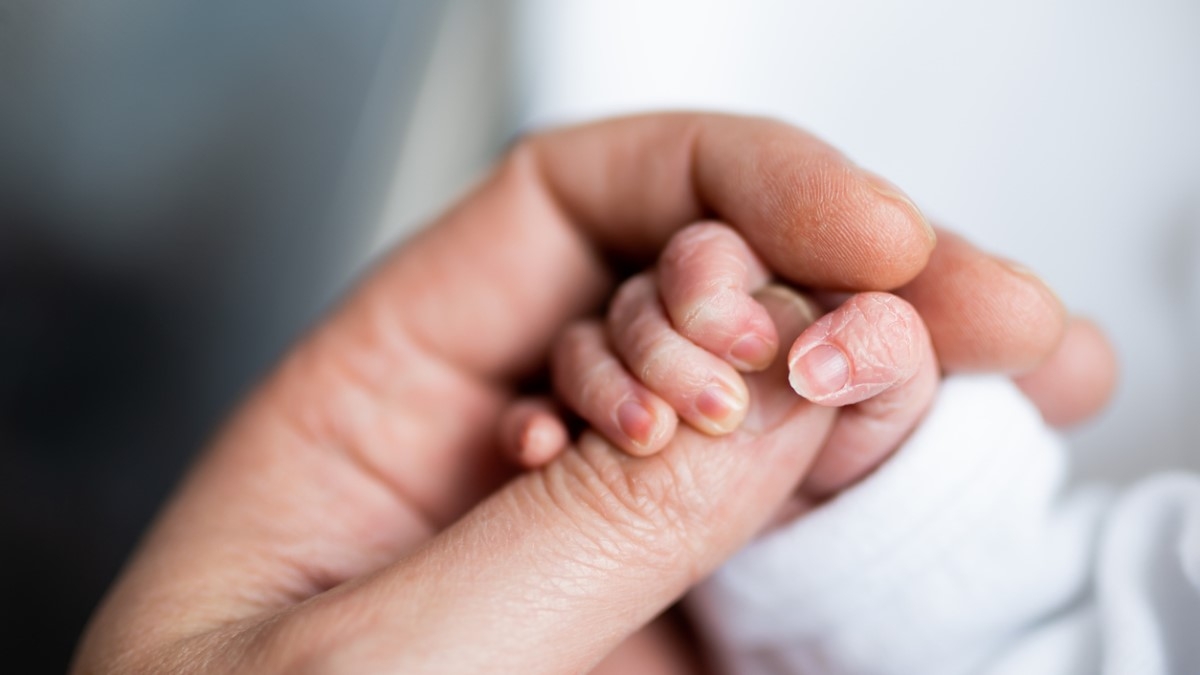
pixel 353 515
pixel 705 276
pixel 893 376
pixel 669 364
pixel 589 378
pixel 883 356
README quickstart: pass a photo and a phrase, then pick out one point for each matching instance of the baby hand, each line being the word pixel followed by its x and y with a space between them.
pixel 675 342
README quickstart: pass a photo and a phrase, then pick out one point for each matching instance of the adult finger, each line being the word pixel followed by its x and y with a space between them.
pixel 1078 379
pixel 706 276
pixel 988 314
pixel 462 300
pixel 386 414
pixel 460 308
pixel 593 547
pixel 984 313
pixel 566 198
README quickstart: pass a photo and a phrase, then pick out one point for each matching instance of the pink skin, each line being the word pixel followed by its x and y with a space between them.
pixel 884 373
pixel 892 362
pixel 531 433
pixel 706 391
pixel 592 381
pixel 385 413
pixel 1084 358
pixel 688 357
pixel 707 274
pixel 873 357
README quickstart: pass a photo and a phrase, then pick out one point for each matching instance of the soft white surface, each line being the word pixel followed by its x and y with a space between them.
pixel 963 555
pixel 1061 133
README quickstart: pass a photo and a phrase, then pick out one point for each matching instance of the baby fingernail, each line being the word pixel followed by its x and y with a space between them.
pixel 636 421
pixel 751 353
pixel 820 372
pixel 721 407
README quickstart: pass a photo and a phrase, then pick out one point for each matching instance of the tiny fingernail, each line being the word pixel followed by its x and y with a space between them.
pixel 751 353
pixel 820 372
pixel 721 407
pixel 892 193
pixel 636 421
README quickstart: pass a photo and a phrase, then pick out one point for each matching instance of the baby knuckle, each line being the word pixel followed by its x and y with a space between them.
pixel 575 343
pixel 711 315
pixel 689 246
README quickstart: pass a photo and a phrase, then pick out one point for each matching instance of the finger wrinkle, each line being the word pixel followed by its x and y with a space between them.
pixel 879 339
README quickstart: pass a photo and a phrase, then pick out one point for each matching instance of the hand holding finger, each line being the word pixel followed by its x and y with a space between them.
pixel 705 390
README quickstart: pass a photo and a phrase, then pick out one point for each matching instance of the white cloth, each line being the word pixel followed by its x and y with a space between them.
pixel 963 554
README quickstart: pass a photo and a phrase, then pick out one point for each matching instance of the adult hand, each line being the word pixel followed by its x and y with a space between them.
pixel 353 517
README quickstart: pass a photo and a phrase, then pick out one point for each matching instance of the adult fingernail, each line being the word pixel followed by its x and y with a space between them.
pixel 751 353
pixel 721 407
pixel 820 372
pixel 636 422
pixel 893 194
pixel 1029 275
pixel 1020 270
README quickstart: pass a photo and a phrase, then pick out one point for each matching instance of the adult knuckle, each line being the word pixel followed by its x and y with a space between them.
pixel 635 510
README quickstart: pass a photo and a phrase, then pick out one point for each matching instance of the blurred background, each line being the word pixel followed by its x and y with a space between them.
pixel 186 185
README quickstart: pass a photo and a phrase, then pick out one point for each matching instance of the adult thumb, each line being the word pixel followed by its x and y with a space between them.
pixel 553 571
